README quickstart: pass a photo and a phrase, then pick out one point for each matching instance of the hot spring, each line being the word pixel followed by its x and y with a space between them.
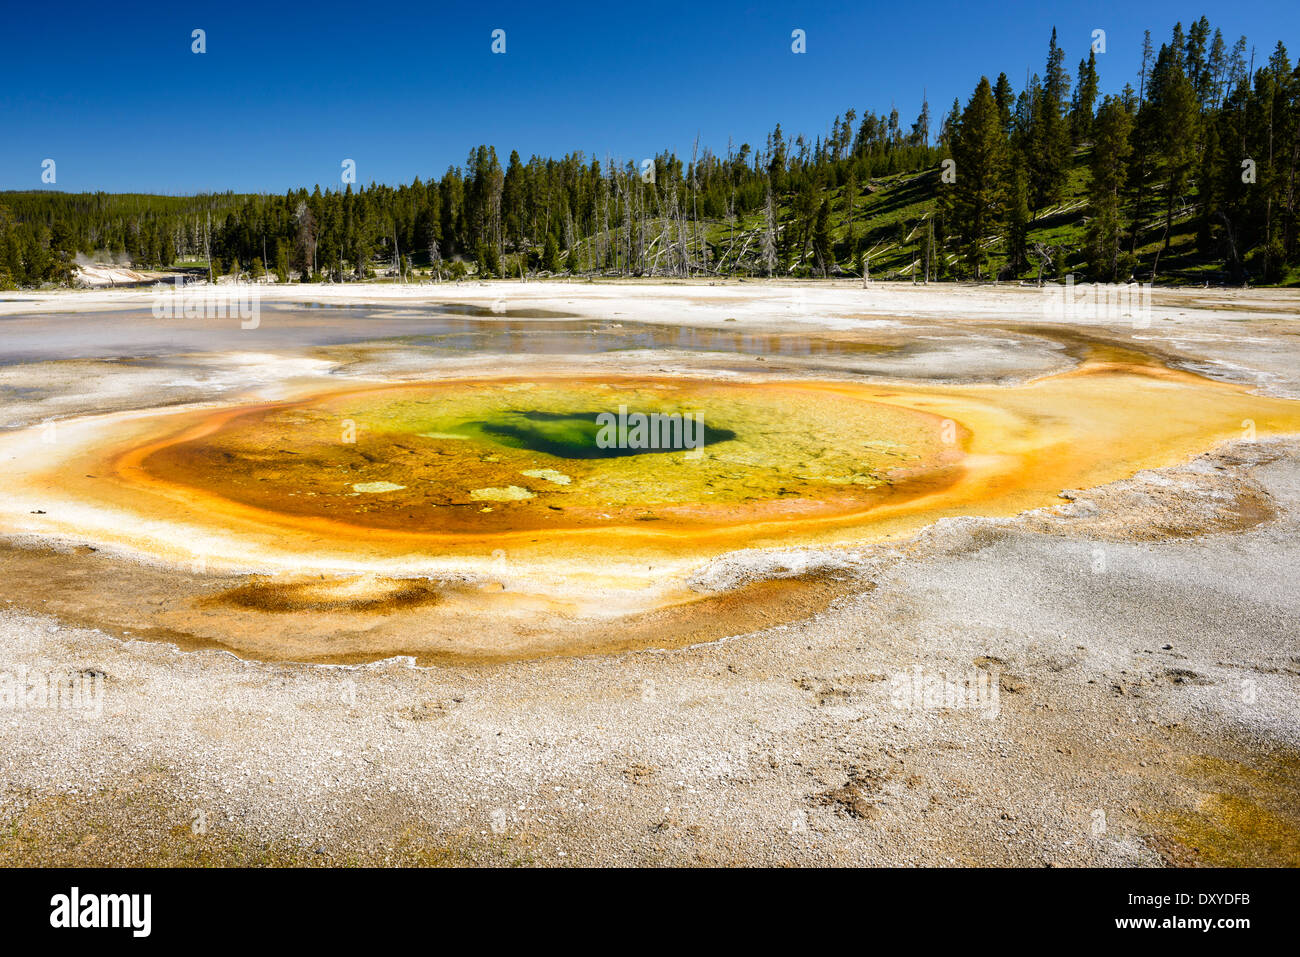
pixel 513 495
pixel 473 458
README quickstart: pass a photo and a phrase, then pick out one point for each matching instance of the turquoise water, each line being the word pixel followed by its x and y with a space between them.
pixel 587 435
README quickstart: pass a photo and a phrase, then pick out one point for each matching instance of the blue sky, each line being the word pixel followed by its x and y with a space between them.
pixel 286 92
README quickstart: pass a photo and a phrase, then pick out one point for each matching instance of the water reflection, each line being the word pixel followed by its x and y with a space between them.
pixel 441 329
pixel 586 338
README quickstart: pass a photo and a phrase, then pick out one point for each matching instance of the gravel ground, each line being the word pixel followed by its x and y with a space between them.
pixel 1111 681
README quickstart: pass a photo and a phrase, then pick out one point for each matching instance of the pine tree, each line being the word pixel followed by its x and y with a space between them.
pixel 1085 97
pixel 1210 194
pixel 1050 153
pixel 1216 70
pixel 921 128
pixel 949 127
pixel 1108 165
pixel 1006 99
pixel 1169 124
pixel 1197 66
pixel 1018 220
pixel 489 263
pixel 281 262
pixel 975 204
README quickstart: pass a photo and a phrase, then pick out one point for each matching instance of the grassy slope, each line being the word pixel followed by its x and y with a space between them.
pixel 893 211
